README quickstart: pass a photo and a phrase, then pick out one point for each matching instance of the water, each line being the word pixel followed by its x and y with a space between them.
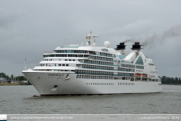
pixel 20 100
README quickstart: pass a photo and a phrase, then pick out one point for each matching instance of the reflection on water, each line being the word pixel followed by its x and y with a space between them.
pixel 19 99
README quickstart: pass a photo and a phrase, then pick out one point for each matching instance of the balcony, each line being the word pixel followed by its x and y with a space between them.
pixel 97 63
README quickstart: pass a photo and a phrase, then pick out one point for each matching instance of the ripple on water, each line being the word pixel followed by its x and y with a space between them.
pixel 165 102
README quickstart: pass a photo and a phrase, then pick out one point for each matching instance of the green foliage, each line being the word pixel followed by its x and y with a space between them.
pixel 171 80
pixel 18 78
pixel 3 75
pixel 22 78
pixel 12 76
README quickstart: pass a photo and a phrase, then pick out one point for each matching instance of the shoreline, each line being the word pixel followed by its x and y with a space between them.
pixel 17 84
pixel 171 84
pixel 11 84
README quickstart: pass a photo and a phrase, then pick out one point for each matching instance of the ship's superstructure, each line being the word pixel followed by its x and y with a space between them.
pixel 91 69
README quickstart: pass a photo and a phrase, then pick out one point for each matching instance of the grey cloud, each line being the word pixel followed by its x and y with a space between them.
pixel 6 19
pixel 28 28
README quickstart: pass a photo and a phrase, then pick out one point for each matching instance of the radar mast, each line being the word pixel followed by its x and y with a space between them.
pixel 91 39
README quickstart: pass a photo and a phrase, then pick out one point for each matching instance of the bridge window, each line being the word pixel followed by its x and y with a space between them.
pixel 80 55
pixel 86 56
pixel 139 61
pixel 140 67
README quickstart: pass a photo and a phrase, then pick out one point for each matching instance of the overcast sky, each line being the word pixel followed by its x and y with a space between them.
pixel 30 27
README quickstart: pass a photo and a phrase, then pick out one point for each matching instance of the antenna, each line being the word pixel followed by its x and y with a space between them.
pixel 82 44
pixel 91 38
pixel 25 64
pixel 65 42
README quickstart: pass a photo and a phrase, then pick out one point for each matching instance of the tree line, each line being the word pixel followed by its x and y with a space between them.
pixel 12 77
pixel 170 80
pixel 164 79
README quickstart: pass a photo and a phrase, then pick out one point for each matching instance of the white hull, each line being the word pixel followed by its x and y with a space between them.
pixel 45 83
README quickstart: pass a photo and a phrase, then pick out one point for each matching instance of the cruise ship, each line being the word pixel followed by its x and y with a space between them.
pixel 89 69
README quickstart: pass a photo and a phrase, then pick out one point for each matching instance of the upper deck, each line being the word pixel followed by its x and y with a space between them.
pixel 93 60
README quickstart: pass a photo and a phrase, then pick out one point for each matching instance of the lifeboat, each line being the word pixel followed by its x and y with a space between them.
pixel 144 75
pixel 132 79
pixel 137 74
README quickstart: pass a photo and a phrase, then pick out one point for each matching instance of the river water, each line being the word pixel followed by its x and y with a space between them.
pixel 20 100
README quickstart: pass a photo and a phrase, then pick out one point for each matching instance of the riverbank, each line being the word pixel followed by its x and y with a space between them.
pixel 171 84
pixel 13 84
pixel 8 84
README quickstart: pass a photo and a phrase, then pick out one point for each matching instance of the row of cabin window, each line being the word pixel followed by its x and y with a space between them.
pixel 126 83
pixel 55 65
pixel 62 64
pixel 52 70
pixel 126 74
pixel 98 62
pixel 63 55
pixel 99 83
pixel 125 69
pixel 130 66
pixel 59 59
pixel 98 67
pixel 106 54
pixel 145 79
pixel 71 51
pixel 72 55
pixel 140 67
pixel 69 59
pixel 90 72
pixel 93 77
pixel 82 51
pixel 101 58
